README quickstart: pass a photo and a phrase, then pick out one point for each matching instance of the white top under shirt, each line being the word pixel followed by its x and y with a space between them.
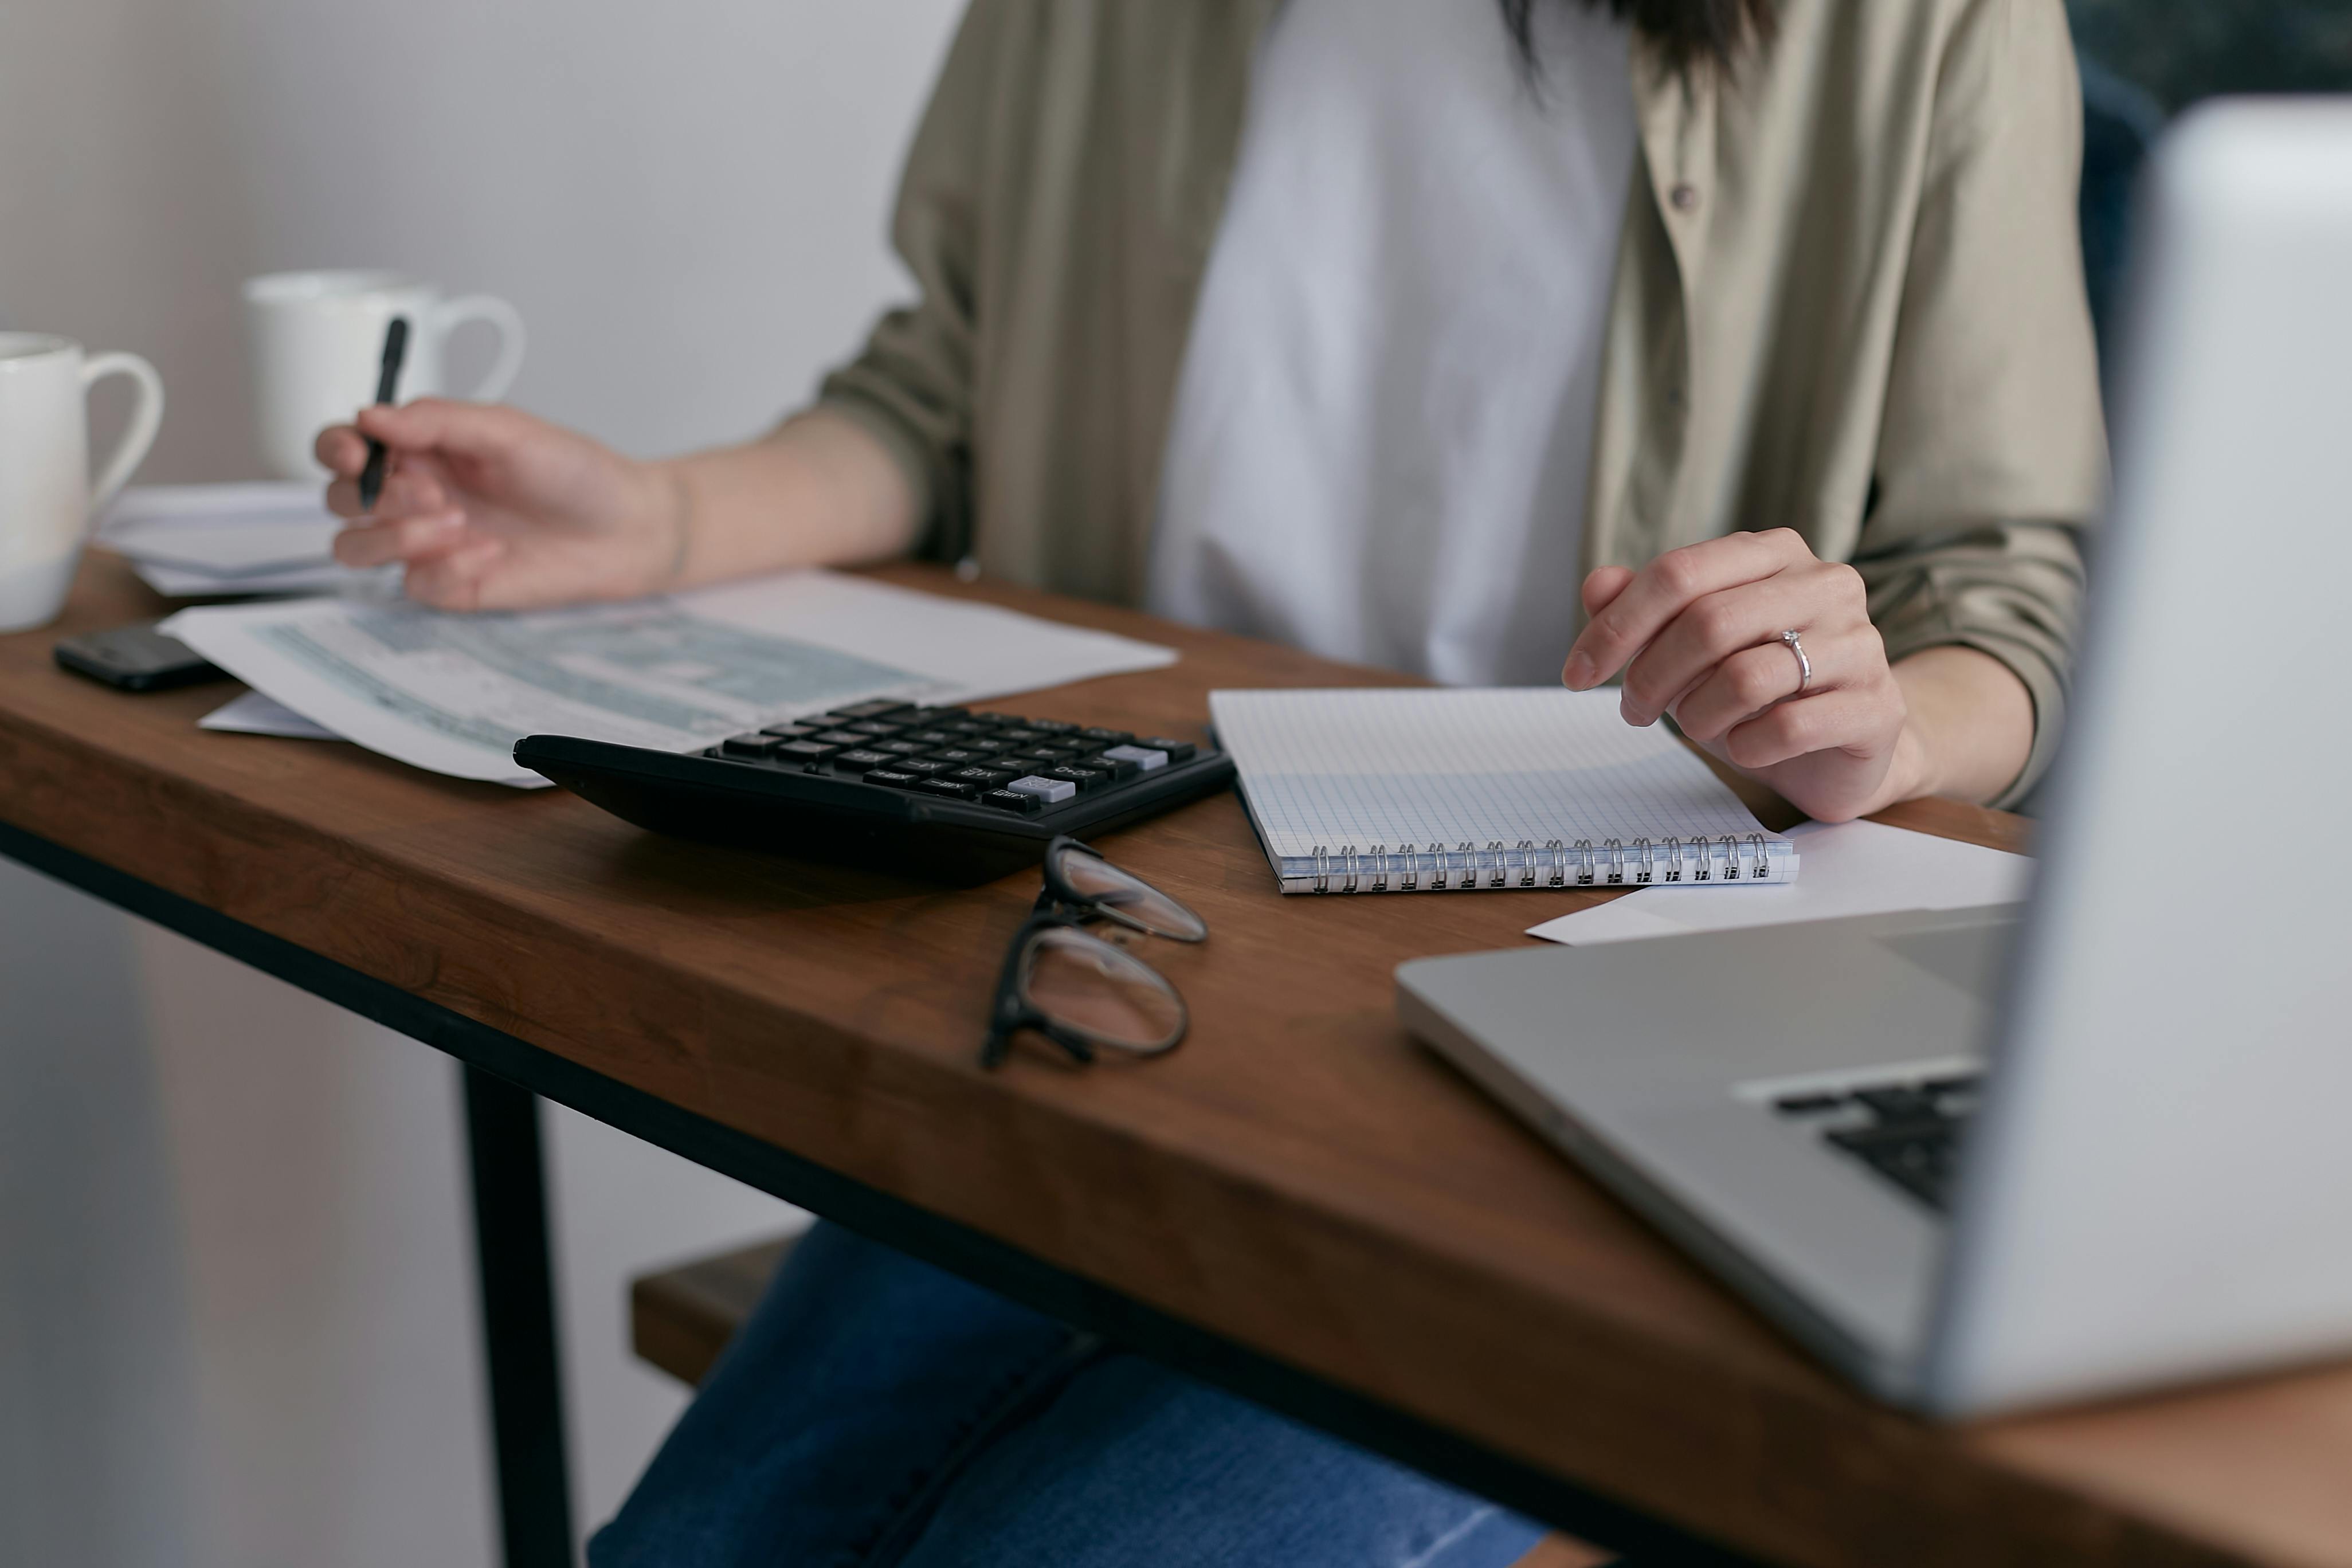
pixel 1385 414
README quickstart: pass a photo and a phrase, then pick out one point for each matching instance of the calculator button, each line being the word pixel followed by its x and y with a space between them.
pixel 921 767
pixel 874 710
pixel 893 778
pixel 1178 751
pixel 804 751
pixel 1013 801
pixel 749 745
pixel 1052 727
pixel 931 737
pixel 1027 762
pixel 842 738
pixel 984 778
pixel 874 727
pixel 1053 792
pixel 900 748
pixel 948 787
pixel 1085 778
pixel 791 732
pixel 1116 767
pixel 1143 757
pixel 986 748
pixel 1106 737
pixel 963 756
pixel 1020 737
pixel 856 759
pixel 936 715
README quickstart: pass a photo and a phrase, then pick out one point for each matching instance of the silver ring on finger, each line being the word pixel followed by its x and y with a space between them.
pixel 1804 665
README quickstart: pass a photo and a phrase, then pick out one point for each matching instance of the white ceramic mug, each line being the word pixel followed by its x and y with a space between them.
pixel 47 495
pixel 317 341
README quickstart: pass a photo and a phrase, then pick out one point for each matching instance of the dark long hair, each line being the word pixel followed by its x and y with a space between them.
pixel 1691 32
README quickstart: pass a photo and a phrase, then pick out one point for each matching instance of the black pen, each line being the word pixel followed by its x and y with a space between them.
pixel 387 387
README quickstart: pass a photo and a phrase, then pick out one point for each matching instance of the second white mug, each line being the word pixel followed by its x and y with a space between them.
pixel 46 494
pixel 317 339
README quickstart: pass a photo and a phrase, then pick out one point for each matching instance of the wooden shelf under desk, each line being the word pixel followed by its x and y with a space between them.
pixel 1300 1180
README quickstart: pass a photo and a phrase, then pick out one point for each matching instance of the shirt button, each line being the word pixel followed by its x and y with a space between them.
pixel 1684 198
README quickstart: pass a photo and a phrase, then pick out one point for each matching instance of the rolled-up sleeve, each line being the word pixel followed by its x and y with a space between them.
pixel 911 385
pixel 1992 454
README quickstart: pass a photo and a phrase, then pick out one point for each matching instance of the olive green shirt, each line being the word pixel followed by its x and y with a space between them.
pixel 1848 300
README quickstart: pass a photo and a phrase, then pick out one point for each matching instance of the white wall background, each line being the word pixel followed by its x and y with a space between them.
pixel 235 1315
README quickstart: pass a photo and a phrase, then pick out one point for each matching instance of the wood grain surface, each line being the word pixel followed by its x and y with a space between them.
pixel 1300 1177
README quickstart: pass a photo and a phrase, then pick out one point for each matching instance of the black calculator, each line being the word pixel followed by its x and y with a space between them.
pixel 946 794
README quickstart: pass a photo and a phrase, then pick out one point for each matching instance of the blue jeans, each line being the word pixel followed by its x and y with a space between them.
pixel 875 1411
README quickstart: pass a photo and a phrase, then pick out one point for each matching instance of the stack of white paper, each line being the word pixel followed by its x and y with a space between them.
pixel 198 541
pixel 453 693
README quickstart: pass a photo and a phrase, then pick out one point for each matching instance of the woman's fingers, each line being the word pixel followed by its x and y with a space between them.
pixel 1822 598
pixel 411 539
pixel 1601 586
pixel 464 430
pixel 1862 720
pixel 1755 678
pixel 413 488
pixel 342 449
pixel 1665 588
pixel 463 579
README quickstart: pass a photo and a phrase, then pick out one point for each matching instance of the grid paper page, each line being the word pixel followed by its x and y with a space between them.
pixel 1353 769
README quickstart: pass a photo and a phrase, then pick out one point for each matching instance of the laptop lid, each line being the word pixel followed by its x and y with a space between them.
pixel 2161 1182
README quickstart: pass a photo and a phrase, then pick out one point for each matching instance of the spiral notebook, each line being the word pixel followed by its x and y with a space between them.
pixel 1405 791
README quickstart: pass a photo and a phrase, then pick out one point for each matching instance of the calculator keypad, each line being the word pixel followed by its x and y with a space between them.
pixel 1019 765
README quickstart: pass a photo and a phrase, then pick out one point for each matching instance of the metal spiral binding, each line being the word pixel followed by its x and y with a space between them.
pixel 1378 869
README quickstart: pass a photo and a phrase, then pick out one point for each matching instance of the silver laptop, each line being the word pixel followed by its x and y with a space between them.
pixel 2105 1141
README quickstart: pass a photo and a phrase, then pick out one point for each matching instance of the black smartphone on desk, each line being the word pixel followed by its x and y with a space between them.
pixel 135 659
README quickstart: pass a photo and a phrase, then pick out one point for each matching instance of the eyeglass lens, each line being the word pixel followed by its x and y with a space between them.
pixel 1114 999
pixel 1094 878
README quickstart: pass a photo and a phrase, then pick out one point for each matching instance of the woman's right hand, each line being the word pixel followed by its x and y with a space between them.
pixel 489 509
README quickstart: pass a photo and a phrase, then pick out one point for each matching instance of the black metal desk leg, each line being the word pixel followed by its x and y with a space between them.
pixel 510 1241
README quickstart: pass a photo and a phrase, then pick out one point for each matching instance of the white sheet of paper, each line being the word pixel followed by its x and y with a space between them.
pixel 187 541
pixel 255 714
pixel 453 693
pixel 1850 869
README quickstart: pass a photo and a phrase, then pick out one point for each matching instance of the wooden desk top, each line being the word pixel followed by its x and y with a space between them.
pixel 1300 1177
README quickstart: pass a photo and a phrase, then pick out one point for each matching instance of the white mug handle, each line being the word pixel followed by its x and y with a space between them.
pixel 146 418
pixel 489 308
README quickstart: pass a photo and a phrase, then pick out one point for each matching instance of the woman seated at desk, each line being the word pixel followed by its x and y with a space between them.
pixel 1374 326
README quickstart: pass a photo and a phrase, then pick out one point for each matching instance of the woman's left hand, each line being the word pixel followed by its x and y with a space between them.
pixel 1698 633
